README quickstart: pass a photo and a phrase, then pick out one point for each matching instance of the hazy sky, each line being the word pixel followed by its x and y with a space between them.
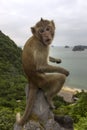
pixel 70 17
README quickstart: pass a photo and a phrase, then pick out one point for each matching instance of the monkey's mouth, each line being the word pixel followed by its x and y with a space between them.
pixel 47 41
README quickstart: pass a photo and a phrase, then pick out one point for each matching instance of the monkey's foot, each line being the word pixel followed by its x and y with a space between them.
pixel 50 102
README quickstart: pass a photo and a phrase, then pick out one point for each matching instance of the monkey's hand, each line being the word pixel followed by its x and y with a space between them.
pixel 55 60
pixel 58 61
pixel 66 72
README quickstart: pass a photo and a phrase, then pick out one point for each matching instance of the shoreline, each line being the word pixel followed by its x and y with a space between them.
pixel 74 89
pixel 67 93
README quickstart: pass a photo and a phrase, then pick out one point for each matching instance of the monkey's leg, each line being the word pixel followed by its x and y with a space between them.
pixel 29 105
pixel 53 83
pixel 58 80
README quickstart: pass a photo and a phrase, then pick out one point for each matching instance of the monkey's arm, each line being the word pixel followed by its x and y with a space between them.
pixel 51 69
pixel 54 60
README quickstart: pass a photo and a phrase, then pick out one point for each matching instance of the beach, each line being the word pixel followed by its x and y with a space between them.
pixel 67 93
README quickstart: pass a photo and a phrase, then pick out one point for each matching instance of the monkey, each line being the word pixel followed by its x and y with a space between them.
pixel 39 73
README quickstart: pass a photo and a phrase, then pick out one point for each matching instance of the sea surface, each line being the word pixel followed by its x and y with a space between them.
pixel 75 62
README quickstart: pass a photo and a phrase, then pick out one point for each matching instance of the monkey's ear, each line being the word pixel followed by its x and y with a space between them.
pixel 33 30
pixel 52 22
pixel 41 19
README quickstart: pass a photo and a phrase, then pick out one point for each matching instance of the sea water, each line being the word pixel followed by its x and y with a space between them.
pixel 75 62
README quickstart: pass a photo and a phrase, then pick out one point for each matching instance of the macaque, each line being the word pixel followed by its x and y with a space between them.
pixel 35 64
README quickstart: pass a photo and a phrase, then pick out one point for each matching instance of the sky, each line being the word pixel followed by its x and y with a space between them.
pixel 70 17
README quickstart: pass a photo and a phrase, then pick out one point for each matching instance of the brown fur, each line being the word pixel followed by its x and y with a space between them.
pixel 35 64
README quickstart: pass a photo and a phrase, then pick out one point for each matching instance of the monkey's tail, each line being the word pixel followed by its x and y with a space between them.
pixel 29 105
pixel 18 117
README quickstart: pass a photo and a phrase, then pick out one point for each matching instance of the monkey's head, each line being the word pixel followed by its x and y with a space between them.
pixel 44 30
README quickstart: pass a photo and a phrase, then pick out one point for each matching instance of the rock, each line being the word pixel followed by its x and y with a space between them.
pixel 79 48
pixel 65 121
pixel 42 117
pixel 17 127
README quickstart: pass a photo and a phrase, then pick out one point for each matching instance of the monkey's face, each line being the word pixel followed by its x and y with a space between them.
pixel 45 34
pixel 44 31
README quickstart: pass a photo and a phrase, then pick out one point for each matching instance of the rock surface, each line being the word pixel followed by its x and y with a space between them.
pixel 42 117
pixel 79 48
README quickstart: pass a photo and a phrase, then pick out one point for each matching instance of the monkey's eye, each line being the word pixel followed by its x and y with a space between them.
pixel 41 31
pixel 48 29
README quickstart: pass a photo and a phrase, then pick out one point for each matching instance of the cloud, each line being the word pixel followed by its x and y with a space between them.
pixel 17 16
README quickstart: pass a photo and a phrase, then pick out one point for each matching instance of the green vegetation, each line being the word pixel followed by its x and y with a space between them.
pixel 12 82
pixel 12 85
pixel 77 110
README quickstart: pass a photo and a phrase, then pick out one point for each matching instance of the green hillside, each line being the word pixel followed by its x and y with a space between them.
pixel 12 80
pixel 10 55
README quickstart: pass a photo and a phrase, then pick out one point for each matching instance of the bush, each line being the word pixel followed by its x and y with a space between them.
pixel 7 119
pixel 82 124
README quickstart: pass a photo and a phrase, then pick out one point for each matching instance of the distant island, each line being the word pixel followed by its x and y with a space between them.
pixel 66 46
pixel 79 48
